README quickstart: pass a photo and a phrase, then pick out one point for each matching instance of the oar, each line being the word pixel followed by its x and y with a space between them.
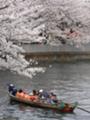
pixel 83 109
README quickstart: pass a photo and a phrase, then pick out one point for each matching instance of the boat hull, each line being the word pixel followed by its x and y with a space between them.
pixel 68 108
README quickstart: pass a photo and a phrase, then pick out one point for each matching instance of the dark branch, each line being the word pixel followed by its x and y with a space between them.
pixel 4 7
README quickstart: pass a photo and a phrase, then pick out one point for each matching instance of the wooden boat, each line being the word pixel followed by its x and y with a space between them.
pixel 61 107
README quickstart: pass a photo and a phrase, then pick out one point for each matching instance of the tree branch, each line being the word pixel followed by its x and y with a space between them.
pixel 4 7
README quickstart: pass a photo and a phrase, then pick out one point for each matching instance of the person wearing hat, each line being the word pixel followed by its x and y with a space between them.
pixel 11 87
pixel 43 94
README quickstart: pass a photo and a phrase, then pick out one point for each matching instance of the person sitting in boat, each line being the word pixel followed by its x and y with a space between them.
pixel 43 94
pixel 14 91
pixel 20 91
pixel 10 87
pixel 22 95
pixel 34 92
pixel 34 95
pixel 53 97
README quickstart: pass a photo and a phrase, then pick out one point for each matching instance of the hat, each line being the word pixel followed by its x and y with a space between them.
pixel 41 90
pixel 11 85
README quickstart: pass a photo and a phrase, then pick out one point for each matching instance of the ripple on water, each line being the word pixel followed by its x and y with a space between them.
pixel 72 84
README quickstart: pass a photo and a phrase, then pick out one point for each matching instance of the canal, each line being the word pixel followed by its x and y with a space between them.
pixel 70 81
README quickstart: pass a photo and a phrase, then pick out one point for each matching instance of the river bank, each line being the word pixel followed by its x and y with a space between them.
pixel 56 53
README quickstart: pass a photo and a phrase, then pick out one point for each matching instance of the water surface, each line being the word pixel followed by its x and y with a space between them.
pixel 70 81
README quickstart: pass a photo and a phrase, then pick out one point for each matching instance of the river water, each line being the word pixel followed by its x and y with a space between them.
pixel 70 81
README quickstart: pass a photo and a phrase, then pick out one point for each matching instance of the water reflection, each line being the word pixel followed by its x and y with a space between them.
pixel 20 112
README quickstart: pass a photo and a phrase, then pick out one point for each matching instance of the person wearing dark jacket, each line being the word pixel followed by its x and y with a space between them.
pixel 11 87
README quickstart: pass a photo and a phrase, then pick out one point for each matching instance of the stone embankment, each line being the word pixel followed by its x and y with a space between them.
pixel 56 53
